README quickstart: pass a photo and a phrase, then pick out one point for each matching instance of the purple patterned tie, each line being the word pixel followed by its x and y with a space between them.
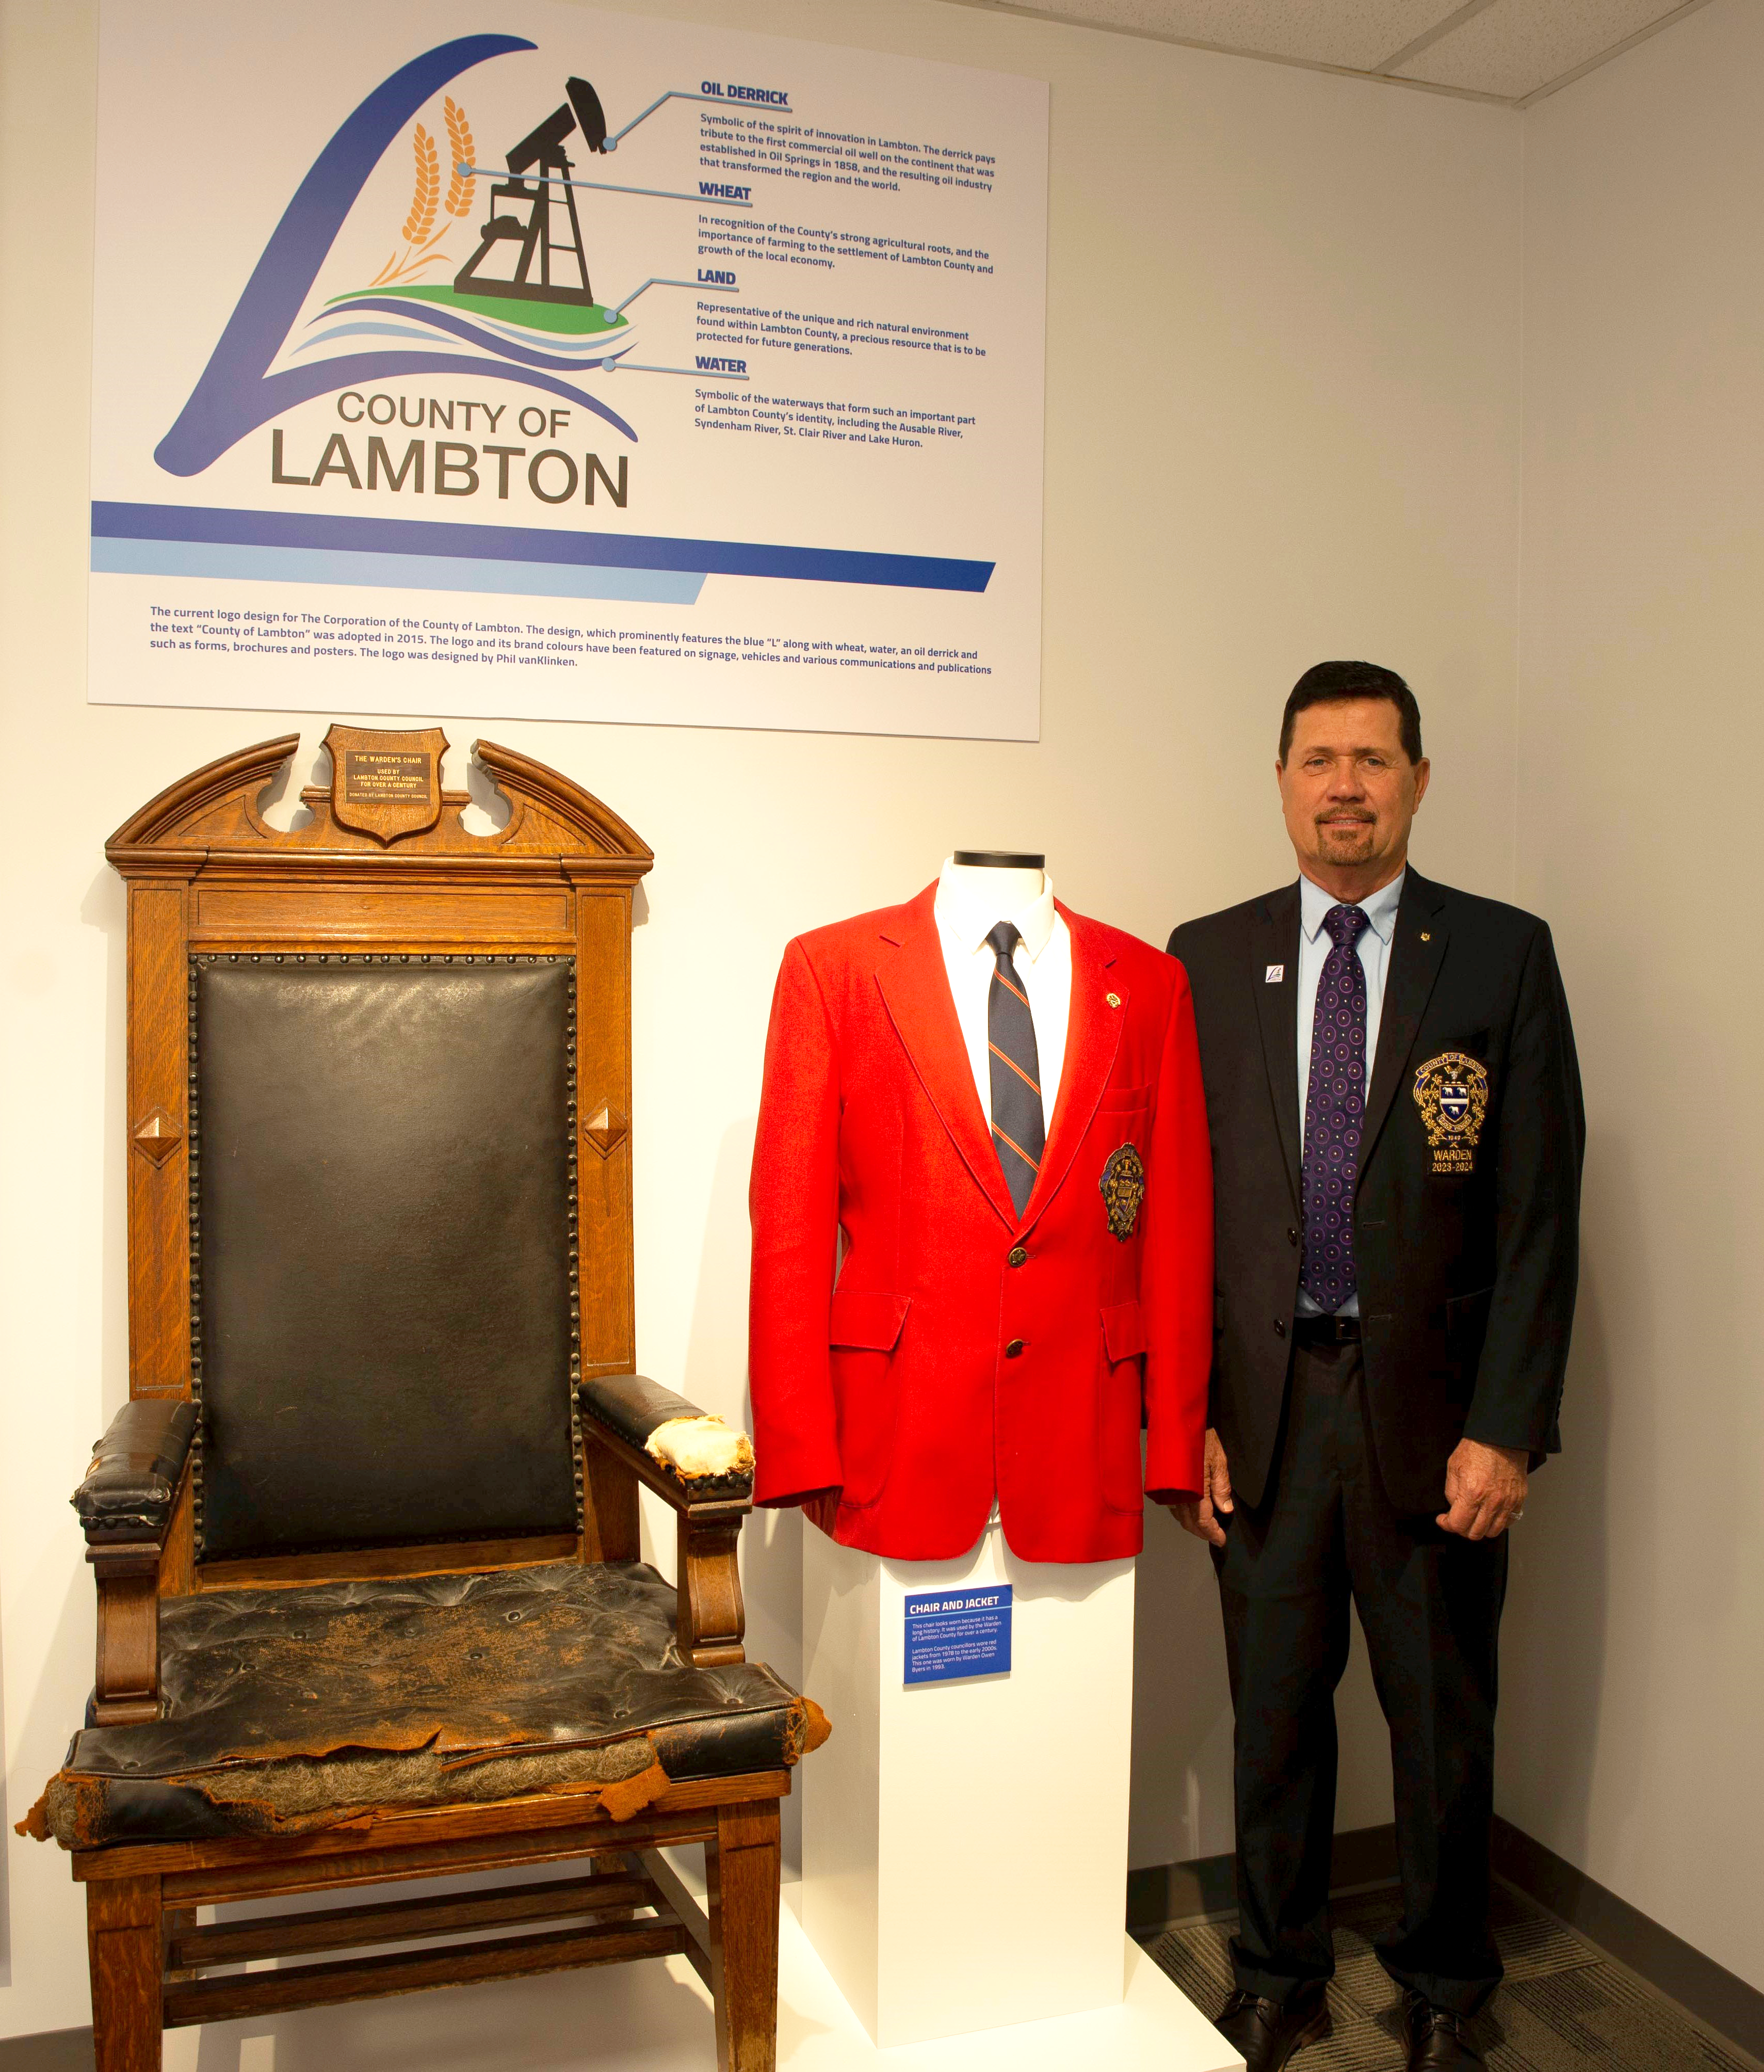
pixel 1335 1109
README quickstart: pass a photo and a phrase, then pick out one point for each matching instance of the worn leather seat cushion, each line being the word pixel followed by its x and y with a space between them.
pixel 290 1710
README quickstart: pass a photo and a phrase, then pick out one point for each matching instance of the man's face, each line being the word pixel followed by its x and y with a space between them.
pixel 1348 789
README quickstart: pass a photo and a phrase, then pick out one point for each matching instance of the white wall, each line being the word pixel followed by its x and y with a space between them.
pixel 1282 423
pixel 1635 1679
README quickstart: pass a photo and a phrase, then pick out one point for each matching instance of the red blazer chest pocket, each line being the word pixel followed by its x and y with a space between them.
pixel 1123 1101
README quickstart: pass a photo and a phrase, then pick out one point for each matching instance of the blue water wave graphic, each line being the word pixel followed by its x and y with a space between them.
pixel 460 327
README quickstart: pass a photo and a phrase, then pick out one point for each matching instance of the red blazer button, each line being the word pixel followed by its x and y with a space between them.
pixel 1013 1349
pixel 1015 1257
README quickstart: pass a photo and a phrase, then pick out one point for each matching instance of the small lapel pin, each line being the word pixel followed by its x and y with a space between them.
pixel 1274 974
pixel 1113 999
pixel 1425 936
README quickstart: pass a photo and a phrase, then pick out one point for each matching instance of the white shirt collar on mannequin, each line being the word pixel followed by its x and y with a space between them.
pixel 963 909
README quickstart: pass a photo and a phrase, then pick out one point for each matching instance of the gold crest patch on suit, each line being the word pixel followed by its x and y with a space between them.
pixel 1451 1091
pixel 1123 1185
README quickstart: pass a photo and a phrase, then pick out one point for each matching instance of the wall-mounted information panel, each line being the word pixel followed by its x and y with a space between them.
pixel 564 365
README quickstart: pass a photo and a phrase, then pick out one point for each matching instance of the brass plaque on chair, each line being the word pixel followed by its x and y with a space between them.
pixel 386 783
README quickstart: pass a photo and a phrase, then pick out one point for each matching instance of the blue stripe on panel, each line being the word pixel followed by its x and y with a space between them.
pixel 325 532
pixel 313 565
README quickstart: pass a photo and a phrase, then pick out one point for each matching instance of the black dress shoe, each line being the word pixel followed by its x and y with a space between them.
pixel 1267 2032
pixel 1438 2040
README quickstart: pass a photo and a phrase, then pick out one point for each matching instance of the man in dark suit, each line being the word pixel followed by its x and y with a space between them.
pixel 1397 1126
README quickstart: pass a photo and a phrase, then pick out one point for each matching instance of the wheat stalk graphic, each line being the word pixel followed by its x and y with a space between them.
pixel 420 231
pixel 460 186
pixel 421 223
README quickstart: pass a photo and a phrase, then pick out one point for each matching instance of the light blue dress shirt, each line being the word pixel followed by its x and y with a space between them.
pixel 1315 904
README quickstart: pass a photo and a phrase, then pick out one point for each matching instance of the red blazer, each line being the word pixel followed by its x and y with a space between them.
pixel 960 1353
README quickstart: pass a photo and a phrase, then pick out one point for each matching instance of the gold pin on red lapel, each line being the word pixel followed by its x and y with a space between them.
pixel 1113 999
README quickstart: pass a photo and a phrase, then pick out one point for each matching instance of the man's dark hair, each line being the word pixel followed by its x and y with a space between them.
pixel 1331 683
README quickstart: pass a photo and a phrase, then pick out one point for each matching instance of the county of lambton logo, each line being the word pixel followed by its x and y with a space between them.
pixel 521 298
pixel 1451 1091
pixel 523 294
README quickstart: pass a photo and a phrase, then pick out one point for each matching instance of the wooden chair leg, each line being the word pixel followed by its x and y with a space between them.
pixel 744 1868
pixel 126 1943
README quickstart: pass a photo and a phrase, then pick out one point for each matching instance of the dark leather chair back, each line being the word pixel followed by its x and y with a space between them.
pixel 383 1263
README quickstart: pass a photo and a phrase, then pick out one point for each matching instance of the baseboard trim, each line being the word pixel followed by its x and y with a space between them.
pixel 1161 1893
pixel 1715 1995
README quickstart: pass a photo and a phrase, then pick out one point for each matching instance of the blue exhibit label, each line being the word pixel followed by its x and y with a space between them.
pixel 958 1633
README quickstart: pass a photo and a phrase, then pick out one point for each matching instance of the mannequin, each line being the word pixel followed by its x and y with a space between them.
pixel 1000 877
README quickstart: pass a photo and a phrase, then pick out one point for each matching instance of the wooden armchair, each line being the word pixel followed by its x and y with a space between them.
pixel 365 1538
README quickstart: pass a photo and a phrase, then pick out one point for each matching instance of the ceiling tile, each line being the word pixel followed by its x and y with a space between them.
pixel 1514 47
pixel 1358 34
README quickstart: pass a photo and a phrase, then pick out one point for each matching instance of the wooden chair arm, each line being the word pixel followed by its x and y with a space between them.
pixel 704 1469
pixel 125 1505
pixel 684 1456
pixel 132 1484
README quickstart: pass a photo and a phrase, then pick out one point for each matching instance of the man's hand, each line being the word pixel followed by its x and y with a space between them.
pixel 1485 1489
pixel 1194 1514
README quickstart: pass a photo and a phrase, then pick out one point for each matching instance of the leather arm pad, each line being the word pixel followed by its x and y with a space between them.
pixel 687 1456
pixel 132 1484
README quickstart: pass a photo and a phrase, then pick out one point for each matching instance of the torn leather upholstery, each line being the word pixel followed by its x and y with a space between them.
pixel 707 1457
pixel 132 1484
pixel 292 1710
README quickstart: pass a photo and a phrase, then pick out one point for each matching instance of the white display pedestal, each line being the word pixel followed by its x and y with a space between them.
pixel 965 1843
pixel 1150 2027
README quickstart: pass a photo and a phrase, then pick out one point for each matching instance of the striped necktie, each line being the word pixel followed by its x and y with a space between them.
pixel 1019 1129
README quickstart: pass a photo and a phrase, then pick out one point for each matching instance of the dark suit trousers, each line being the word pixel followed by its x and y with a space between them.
pixel 1430 1605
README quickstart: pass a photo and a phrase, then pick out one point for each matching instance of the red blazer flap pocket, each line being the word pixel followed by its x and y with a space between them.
pixel 1123 1331
pixel 871 1323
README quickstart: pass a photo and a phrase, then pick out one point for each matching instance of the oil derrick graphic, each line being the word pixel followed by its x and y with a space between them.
pixel 521 218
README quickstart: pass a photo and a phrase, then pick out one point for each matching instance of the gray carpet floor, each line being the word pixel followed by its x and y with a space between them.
pixel 1564 2007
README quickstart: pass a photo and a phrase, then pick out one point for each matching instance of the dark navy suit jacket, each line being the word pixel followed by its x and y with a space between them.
pixel 1466 1211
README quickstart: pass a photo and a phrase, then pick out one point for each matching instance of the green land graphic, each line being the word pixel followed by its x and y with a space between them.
pixel 566 319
